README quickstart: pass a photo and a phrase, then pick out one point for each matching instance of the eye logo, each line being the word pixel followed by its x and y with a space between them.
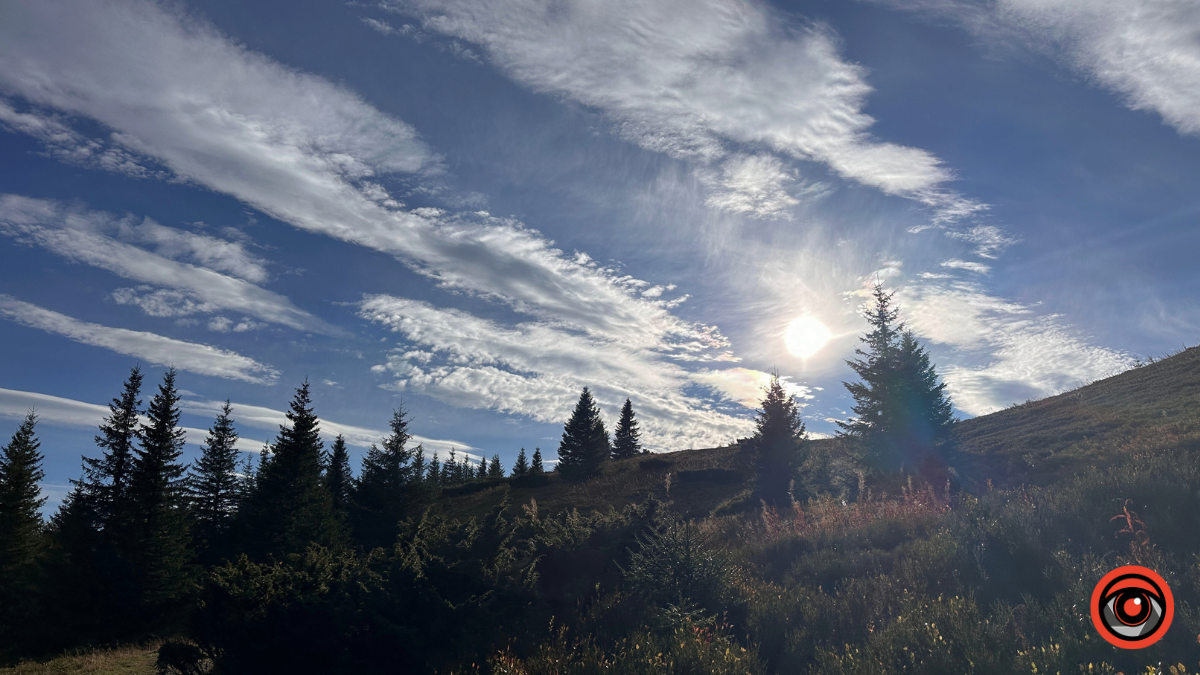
pixel 1132 607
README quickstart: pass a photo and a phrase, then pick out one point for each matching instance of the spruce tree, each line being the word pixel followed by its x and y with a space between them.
pixel 433 475
pixel 338 478
pixel 21 524
pixel 626 439
pixel 162 546
pixel 213 485
pixel 902 413
pixel 292 507
pixel 482 471
pixel 495 470
pixel 103 492
pixel 777 447
pixel 585 446
pixel 382 496
pixel 21 501
pixel 535 467
pixel 521 467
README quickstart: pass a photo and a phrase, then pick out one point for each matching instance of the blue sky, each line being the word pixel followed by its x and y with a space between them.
pixel 480 206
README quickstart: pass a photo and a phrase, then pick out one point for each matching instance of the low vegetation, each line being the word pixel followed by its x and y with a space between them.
pixel 925 550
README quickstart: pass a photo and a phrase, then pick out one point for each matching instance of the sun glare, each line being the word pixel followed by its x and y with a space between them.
pixel 805 336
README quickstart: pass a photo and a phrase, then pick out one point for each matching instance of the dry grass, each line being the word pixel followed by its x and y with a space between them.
pixel 130 660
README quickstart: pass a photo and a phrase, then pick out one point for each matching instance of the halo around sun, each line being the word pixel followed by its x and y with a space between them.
pixel 805 336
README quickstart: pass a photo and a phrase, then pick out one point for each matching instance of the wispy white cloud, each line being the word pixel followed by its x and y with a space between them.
pixel 1002 352
pixel 153 348
pixel 747 386
pixel 69 146
pixel 91 238
pixel 537 370
pixel 698 81
pixel 303 150
pixel 261 417
pixel 970 266
pixel 1147 51
pixel 59 411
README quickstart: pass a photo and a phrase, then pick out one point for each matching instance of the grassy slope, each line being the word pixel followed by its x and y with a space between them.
pixel 1035 442
pixel 117 661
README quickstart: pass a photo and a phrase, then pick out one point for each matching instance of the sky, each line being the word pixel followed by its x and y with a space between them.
pixel 475 208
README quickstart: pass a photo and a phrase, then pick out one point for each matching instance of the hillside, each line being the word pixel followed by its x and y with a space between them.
pixel 1037 442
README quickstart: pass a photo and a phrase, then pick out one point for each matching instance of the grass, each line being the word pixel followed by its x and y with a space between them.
pixel 127 660
pixel 1034 443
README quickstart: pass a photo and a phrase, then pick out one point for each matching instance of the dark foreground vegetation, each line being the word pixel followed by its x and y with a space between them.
pixel 894 548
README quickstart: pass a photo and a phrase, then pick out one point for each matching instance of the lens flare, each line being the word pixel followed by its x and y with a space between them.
pixel 805 336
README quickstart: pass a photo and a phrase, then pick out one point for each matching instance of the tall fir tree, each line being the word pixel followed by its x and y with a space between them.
pixel 521 467
pixel 21 537
pixel 627 438
pixel 902 414
pixel 291 507
pixel 585 446
pixel 495 469
pixel 382 496
pixel 214 488
pixel 103 492
pixel 162 546
pixel 433 475
pixel 92 547
pixel 777 448
pixel 338 477
pixel 482 471
pixel 536 468
pixel 21 499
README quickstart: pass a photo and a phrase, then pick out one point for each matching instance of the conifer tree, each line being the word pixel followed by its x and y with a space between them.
pixel 433 475
pixel 535 467
pixel 451 471
pixel 495 470
pixel 481 471
pixel 585 445
pixel 20 533
pixel 777 447
pixel 338 477
pixel 521 467
pixel 162 546
pixel 213 485
pixel 902 413
pixel 21 501
pixel 382 497
pixel 627 438
pixel 292 507
pixel 103 492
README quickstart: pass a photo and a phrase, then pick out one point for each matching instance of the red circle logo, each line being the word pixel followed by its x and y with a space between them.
pixel 1132 607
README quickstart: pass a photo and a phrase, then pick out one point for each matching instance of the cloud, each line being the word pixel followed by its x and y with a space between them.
pixel 747 386
pixel 69 146
pixel 152 348
pixel 1003 352
pixel 704 82
pixel 1147 51
pixel 91 238
pixel 303 150
pixel 14 404
pixel 58 411
pixel 978 268
pixel 537 370
pixel 260 417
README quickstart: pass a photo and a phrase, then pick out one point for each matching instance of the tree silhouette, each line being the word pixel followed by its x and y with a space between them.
pixel 521 467
pixel 777 447
pixel 626 439
pixel 291 507
pixel 535 467
pixel 585 445
pixel 213 486
pixel 902 413
pixel 160 537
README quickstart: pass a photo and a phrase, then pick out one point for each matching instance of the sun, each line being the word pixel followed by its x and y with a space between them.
pixel 805 336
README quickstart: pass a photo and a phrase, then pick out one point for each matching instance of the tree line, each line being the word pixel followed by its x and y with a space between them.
pixel 135 542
